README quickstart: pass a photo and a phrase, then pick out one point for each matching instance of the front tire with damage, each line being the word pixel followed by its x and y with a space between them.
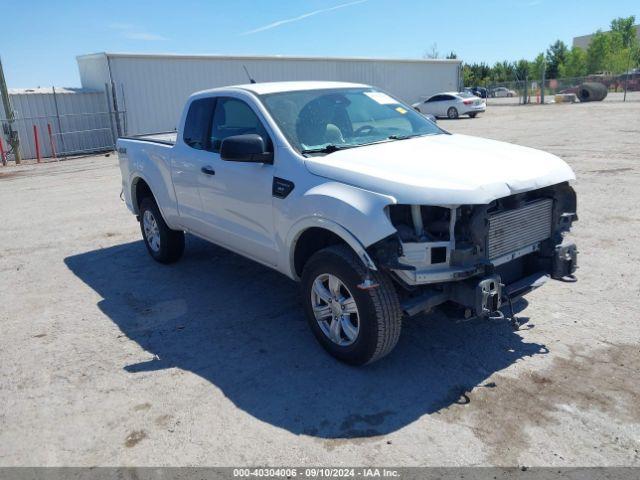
pixel 354 325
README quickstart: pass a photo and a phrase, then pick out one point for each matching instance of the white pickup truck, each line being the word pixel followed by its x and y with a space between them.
pixel 377 211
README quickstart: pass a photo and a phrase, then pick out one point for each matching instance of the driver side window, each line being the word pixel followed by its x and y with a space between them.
pixel 234 117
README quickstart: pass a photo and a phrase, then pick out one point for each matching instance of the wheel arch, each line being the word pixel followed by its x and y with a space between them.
pixel 353 215
pixel 140 188
pixel 313 234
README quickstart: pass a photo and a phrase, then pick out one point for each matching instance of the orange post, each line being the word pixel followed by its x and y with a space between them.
pixel 2 157
pixel 53 146
pixel 35 138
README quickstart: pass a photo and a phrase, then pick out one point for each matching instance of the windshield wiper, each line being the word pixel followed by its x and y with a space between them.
pixel 334 148
pixel 404 137
pixel 328 148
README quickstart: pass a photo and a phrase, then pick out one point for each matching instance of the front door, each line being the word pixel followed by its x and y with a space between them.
pixel 237 196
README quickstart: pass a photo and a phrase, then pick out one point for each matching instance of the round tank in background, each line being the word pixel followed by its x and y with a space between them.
pixel 592 92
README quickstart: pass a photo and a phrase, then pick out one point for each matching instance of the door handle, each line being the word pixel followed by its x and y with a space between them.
pixel 208 170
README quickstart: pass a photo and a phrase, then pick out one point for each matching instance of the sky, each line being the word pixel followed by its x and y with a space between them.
pixel 39 40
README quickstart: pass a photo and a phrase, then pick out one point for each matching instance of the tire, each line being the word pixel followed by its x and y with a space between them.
pixel 592 92
pixel 168 245
pixel 452 113
pixel 378 317
pixel 473 115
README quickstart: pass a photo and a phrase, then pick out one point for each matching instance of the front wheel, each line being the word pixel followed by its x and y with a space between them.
pixel 354 325
pixel 163 244
pixel 452 113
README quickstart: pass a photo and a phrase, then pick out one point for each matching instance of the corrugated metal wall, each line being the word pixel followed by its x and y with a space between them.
pixel 153 88
pixel 79 119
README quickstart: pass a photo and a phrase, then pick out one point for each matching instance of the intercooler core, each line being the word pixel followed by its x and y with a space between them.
pixel 513 230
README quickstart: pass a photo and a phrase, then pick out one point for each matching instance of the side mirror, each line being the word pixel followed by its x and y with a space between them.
pixel 245 148
pixel 431 117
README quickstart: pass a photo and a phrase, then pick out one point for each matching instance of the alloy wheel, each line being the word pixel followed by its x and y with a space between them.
pixel 335 309
pixel 151 230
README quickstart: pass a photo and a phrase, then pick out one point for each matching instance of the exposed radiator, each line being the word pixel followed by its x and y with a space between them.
pixel 515 229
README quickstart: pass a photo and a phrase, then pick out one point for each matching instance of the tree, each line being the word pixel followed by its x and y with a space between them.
pixel 452 55
pixel 432 52
pixel 556 56
pixel 624 51
pixel 575 64
pixel 616 51
pixel 597 52
pixel 537 66
pixel 624 26
pixel 502 72
pixel 475 74
pixel 521 69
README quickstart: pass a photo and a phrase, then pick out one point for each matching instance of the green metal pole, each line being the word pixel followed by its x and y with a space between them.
pixel 14 141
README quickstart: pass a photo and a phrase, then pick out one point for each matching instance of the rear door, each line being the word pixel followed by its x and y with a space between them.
pixel 447 102
pixel 189 162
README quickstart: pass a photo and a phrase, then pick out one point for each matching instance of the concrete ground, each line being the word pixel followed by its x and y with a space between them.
pixel 108 358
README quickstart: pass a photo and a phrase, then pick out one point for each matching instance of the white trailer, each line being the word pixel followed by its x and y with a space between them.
pixel 152 89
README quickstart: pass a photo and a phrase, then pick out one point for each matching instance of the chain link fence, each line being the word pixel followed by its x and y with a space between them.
pixel 617 88
pixel 57 123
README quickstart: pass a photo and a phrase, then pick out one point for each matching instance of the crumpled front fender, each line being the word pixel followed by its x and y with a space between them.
pixel 354 214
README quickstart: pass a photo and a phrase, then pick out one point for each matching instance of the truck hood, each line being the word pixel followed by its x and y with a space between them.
pixel 443 169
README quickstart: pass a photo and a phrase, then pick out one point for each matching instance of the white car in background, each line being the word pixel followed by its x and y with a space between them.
pixel 502 92
pixel 451 105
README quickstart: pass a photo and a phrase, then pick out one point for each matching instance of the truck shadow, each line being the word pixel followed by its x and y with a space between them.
pixel 239 325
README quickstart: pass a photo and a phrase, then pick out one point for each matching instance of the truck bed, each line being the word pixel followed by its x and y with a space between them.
pixel 165 138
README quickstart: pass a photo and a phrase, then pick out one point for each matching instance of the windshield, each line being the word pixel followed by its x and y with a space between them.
pixel 322 121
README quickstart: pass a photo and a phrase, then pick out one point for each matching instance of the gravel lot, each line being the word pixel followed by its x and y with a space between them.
pixel 108 358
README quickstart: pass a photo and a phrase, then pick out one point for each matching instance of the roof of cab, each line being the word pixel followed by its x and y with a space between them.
pixel 278 87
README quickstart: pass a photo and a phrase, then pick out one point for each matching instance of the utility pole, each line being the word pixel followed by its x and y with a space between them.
pixel 626 73
pixel 544 72
pixel 14 141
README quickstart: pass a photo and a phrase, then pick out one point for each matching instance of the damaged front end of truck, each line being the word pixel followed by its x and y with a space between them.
pixel 479 257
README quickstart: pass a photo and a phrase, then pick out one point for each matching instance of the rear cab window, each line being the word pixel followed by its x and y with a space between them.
pixel 198 122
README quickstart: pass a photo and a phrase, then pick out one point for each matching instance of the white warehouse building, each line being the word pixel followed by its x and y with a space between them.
pixel 151 89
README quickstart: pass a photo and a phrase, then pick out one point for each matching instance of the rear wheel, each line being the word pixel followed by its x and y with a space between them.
pixel 354 325
pixel 473 115
pixel 452 113
pixel 163 244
